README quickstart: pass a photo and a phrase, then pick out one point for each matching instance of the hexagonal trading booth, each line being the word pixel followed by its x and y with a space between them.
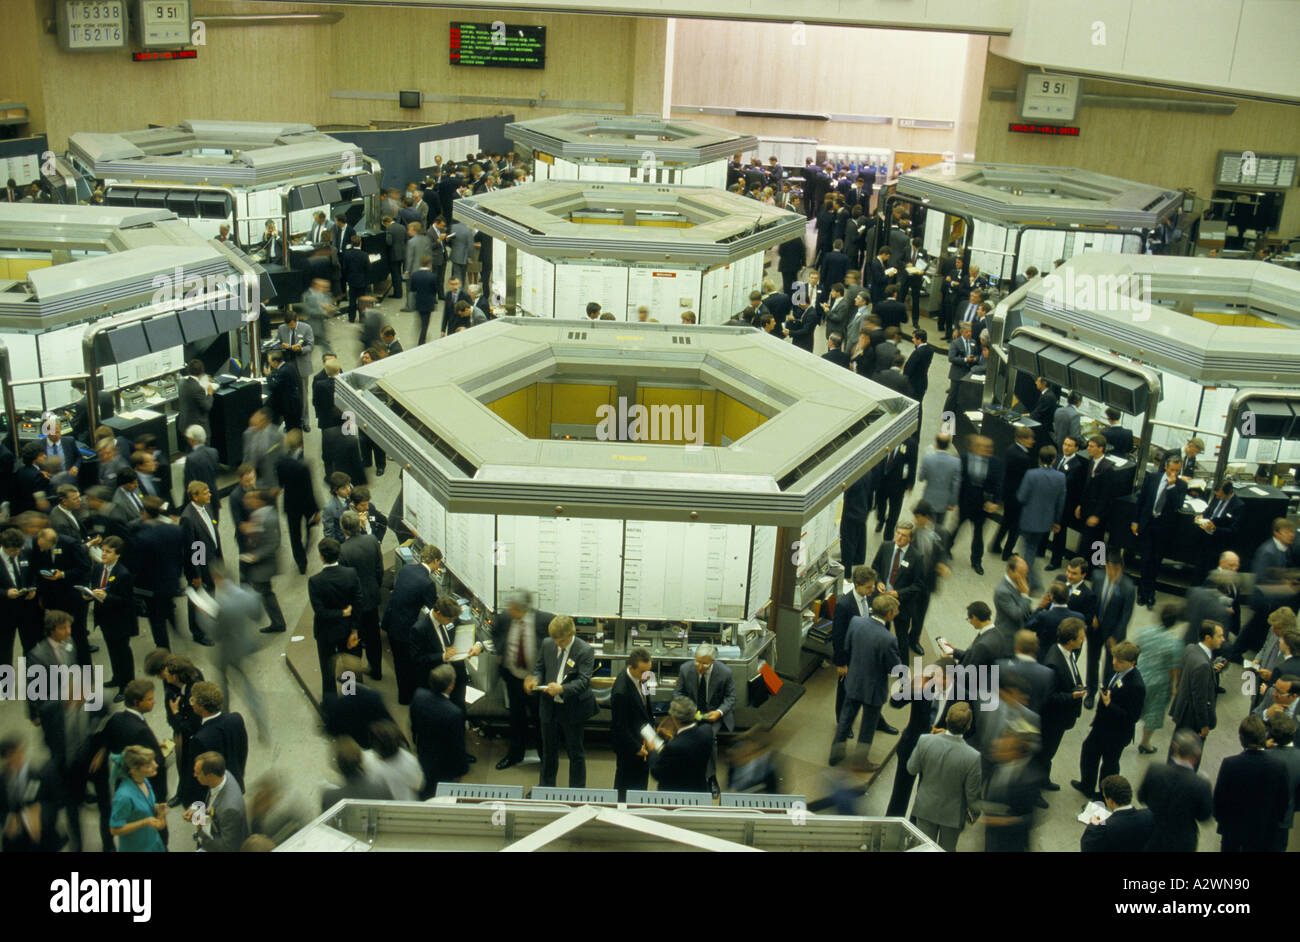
pixel 559 245
pixel 623 148
pixel 662 484
pixel 1011 216
pixel 1183 348
pixel 111 295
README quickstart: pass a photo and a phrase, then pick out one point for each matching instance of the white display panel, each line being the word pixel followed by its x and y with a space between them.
pixel 23 169
pixel 684 570
pixel 1040 248
pixel 666 293
pixel 537 286
pixel 598 173
pixel 469 551
pixel 449 149
pixel 933 240
pixel 150 366
pixel 60 354
pixel 711 174
pixel 818 535
pixel 715 296
pixel 1180 403
pixel 574 565
pixel 422 514
pixel 762 566
pixel 24 364
pixel 578 285
pixel 261 205
pixel 499 272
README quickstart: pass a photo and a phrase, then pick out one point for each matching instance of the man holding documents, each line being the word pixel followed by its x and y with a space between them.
pixel 435 643
pixel 630 707
pixel 562 681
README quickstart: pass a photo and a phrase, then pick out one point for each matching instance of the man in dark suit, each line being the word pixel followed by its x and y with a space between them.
pixel 1251 794
pixel 917 367
pixel 1194 706
pixel 1065 702
pixel 203 543
pixel 1082 598
pixel 834 354
pixel 284 396
pixel 1272 556
pixel 1159 505
pixel 130 728
pixel 156 555
pixel 219 732
pixel 1218 526
pixel 897 473
pixel 791 255
pixel 1177 796
pixel 1112 726
pixel 630 712
pixel 69 566
pixel 681 764
pixel 709 683
pixel 343 231
pixel 434 643
pixel 963 354
pixel 19 611
pixel 989 645
pixel 925 701
pixel 1094 500
pixel 455 295
pixel 1127 830
pixel 333 592
pixel 1052 610
pixel 413 589
pixel 195 399
pixel 562 679
pixel 202 464
pixel 1115 597
pixel 114 592
pixel 877 274
pixel 1119 440
pixel 438 731
pixel 64 447
pixel 354 264
pixel 518 633
pixel 899 566
pixel 1044 410
pixel 1074 467
pixel 1039 679
pixel 424 294
pixel 801 325
pixel 873 654
pixel 853 522
pixel 301 511
pixel 360 552
pixel 834 265
pixel 969 312
pixel 1016 462
pixel 849 605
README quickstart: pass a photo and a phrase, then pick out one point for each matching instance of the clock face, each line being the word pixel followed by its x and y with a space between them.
pixel 1050 96
pixel 163 22
pixel 92 24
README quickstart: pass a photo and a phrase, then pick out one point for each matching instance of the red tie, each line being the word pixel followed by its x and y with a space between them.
pixel 103 576
pixel 893 570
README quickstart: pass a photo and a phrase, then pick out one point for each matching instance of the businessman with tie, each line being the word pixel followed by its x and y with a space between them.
pixel 562 681
pixel 1073 466
pixel 850 605
pixel 1113 725
pixel 1158 507
pixel 630 713
pixel 1218 526
pixel 1065 702
pixel 1115 597
pixel 873 654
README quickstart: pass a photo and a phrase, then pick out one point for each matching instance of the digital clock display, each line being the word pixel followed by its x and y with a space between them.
pixel 1054 97
pixel 163 23
pixel 91 24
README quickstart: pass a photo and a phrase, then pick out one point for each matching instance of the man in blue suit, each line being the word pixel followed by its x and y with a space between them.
pixel 1041 496
pixel 873 653
pixel 55 443
pixel 1218 526
pixel 158 550
pixel 1156 525
pixel 849 605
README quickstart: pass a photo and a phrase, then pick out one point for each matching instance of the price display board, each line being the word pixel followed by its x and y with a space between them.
pixel 162 23
pixel 498 44
pixel 91 25
pixel 1263 171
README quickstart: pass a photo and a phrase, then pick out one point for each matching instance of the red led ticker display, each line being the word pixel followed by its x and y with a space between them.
pixel 165 54
pixel 1060 130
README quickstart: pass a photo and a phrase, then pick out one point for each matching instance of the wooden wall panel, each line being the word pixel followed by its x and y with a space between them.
pixel 1165 148
pixel 841 70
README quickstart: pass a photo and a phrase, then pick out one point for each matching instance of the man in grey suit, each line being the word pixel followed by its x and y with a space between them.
pixel 1194 701
pixel 562 680
pixel 460 242
pixel 296 342
pixel 873 652
pixel 260 534
pixel 1067 421
pixel 418 245
pixel 1042 502
pixel 1011 602
pixel 263 446
pixel 395 237
pixel 710 684
pixel 950 781
pixel 941 472
pixel 227 818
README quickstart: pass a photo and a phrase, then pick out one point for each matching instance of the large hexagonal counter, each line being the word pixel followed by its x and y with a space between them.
pixel 622 148
pixel 559 245
pixel 630 472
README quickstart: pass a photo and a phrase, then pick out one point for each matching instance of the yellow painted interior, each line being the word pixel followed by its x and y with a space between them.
pixel 533 409
pixel 1234 320
pixel 17 268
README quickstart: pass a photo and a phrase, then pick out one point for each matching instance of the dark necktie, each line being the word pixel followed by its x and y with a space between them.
pixel 1074 666
pixel 13 571
pixel 704 690
pixel 521 658
pixel 893 568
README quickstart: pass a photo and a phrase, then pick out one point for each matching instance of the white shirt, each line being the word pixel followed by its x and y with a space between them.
pixel 207 521
pixel 215 790
pixel 1208 652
